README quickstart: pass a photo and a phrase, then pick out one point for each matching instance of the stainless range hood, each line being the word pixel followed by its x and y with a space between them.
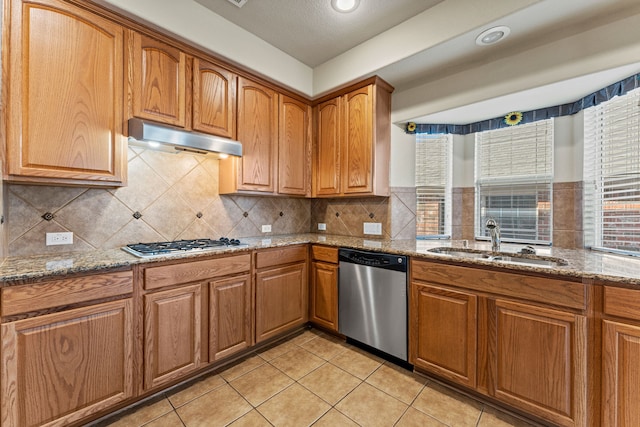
pixel 167 138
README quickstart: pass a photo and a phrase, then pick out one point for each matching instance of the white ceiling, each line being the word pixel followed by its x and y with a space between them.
pixel 310 30
pixel 558 51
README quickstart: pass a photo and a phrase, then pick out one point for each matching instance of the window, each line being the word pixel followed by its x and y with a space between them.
pixel 612 174
pixel 514 178
pixel 433 185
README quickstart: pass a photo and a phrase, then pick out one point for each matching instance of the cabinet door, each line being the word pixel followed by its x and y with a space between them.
pixel 65 120
pixel 281 300
pixel 538 361
pixel 327 150
pixel 65 366
pixel 159 81
pixel 444 332
pixel 172 334
pixel 229 316
pixel 294 149
pixel 620 383
pixel 258 133
pixel 357 141
pixel 214 99
pixel 324 295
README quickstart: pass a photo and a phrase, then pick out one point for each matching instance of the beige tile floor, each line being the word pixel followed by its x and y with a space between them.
pixel 313 379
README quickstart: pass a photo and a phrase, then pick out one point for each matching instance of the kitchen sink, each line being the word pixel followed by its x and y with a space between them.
pixel 506 257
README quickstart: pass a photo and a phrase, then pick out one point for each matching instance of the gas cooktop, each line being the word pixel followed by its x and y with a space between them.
pixel 146 250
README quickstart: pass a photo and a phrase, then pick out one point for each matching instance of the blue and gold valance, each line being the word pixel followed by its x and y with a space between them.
pixel 522 117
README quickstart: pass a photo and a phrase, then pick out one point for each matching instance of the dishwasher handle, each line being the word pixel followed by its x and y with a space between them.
pixel 374 259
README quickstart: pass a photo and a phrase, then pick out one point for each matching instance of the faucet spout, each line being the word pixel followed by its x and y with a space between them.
pixel 494 232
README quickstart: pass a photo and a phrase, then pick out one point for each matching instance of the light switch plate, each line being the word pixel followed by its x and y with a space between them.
pixel 266 228
pixel 322 226
pixel 373 228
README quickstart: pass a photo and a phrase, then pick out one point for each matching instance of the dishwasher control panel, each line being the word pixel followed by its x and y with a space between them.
pixel 374 259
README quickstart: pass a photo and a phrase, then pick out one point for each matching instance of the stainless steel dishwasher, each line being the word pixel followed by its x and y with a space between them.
pixel 372 300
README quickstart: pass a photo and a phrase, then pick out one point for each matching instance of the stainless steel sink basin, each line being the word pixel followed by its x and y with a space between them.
pixel 511 258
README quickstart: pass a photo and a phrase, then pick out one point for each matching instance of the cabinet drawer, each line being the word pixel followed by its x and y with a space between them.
pixel 279 256
pixel 55 293
pixel 167 275
pixel 540 289
pixel 622 302
pixel 324 253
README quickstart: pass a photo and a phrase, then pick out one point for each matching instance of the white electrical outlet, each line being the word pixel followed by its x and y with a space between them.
pixel 65 238
pixel 266 228
pixel 322 226
pixel 373 228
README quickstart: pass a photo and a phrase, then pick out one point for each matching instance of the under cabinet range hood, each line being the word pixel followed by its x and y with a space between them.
pixel 166 138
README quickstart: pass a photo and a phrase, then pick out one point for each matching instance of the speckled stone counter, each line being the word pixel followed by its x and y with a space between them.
pixel 582 264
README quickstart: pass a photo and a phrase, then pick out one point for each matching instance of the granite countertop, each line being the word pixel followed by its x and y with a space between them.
pixel 582 264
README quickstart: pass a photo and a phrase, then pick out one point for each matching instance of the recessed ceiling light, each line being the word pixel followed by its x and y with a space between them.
pixel 492 35
pixel 345 6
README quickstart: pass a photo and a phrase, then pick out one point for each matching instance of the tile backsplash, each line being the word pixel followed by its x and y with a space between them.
pixel 168 197
pixel 175 196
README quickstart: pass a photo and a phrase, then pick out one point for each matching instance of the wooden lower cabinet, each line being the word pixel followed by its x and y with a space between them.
pixel 621 374
pixel 62 367
pixel 281 299
pixel 173 341
pixel 230 319
pixel 538 358
pixel 324 295
pixel 621 357
pixel 444 330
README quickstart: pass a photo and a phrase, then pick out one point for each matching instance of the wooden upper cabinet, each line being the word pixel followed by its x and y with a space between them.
pixel 294 147
pixel 214 99
pixel 327 149
pixel 357 141
pixel 65 96
pixel 353 140
pixel 258 134
pixel 159 86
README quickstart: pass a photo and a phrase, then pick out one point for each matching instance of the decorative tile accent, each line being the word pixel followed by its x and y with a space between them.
pixel 137 215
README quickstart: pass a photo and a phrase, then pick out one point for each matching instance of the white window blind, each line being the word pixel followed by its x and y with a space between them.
pixel 612 174
pixel 514 178
pixel 433 185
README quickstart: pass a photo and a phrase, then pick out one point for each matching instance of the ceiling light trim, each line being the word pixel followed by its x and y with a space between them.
pixel 238 3
pixel 493 35
pixel 345 6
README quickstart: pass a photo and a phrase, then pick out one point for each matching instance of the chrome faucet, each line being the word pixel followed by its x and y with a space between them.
pixel 494 232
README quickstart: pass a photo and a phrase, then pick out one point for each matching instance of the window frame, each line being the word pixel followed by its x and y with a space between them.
pixel 602 139
pixel 538 181
pixel 445 156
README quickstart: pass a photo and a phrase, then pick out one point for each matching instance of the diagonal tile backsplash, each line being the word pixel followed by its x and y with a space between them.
pixel 174 196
